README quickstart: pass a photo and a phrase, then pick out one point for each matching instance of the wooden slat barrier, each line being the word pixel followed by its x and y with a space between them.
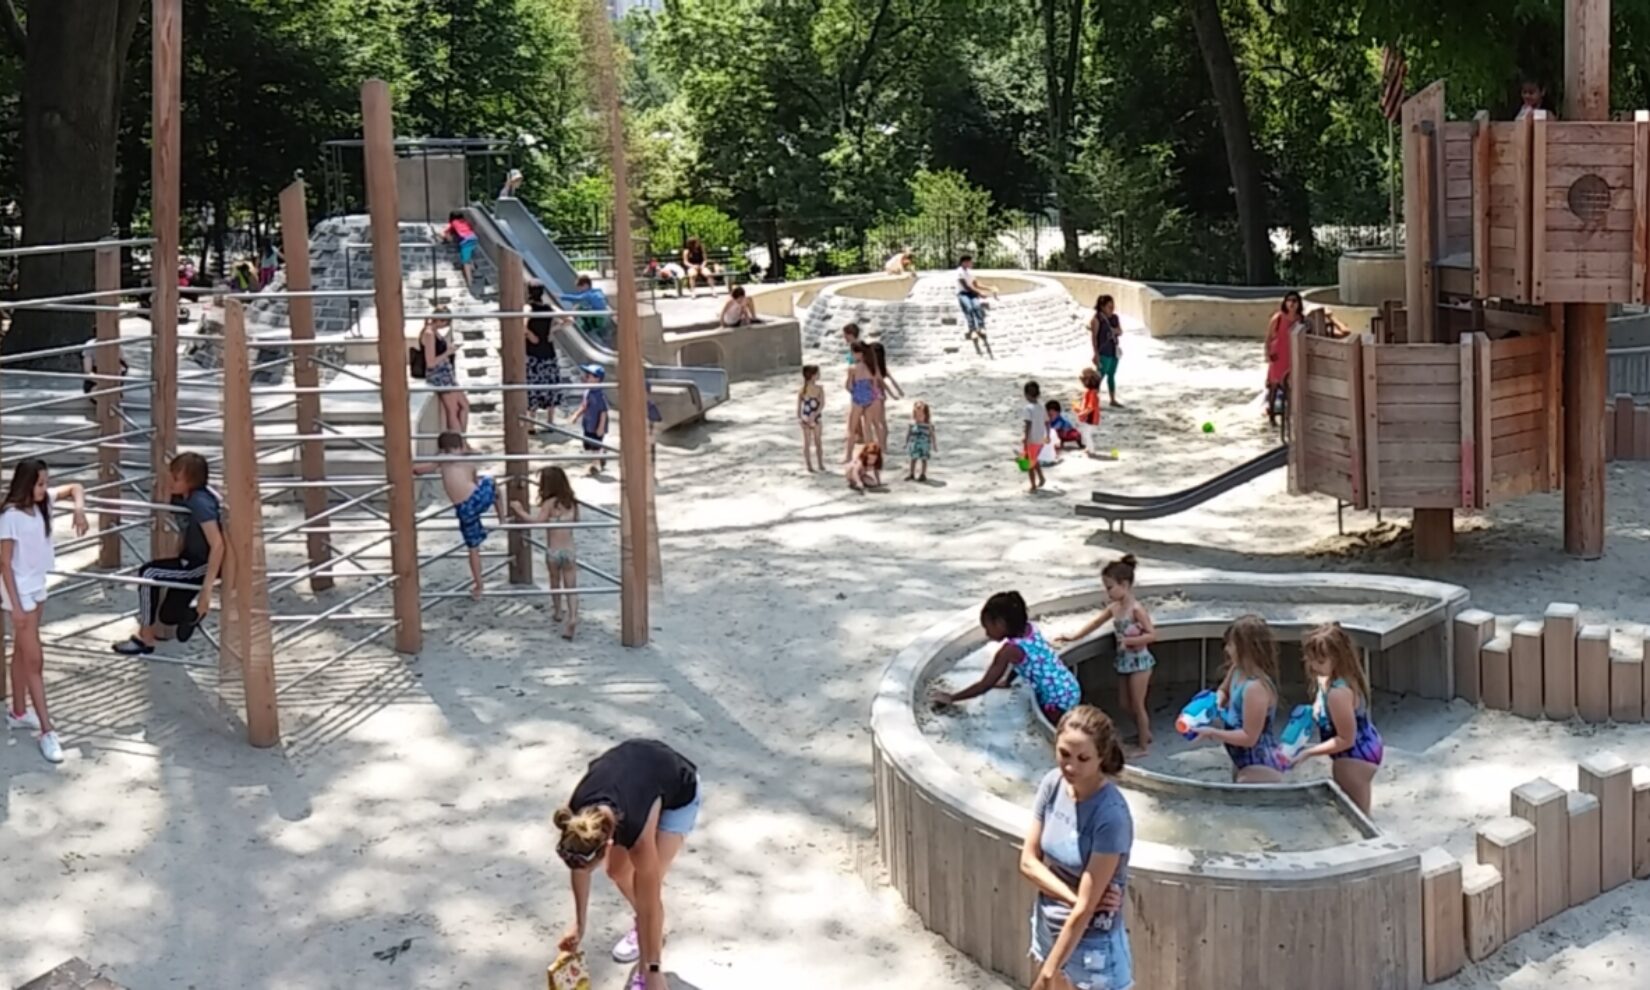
pixel 1326 384
pixel 1414 425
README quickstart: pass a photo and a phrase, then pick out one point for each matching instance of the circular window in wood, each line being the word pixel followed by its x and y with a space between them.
pixel 1589 199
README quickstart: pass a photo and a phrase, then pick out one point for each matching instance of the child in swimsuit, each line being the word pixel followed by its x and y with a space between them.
pixel 862 387
pixel 921 442
pixel 1135 634
pixel 472 495
pixel 1340 704
pixel 1248 700
pixel 810 405
pixel 1024 652
pixel 557 507
pixel 885 387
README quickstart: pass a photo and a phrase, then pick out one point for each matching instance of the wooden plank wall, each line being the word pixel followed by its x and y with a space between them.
pixel 1627 430
pixel 1456 235
pixel 1416 448
pixel 1508 209
pixel 1581 260
pixel 1523 433
pixel 1328 386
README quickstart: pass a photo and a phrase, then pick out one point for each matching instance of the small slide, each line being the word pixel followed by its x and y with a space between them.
pixel 528 238
pixel 1119 508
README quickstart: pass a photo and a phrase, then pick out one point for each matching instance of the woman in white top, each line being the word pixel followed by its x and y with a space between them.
pixel 26 558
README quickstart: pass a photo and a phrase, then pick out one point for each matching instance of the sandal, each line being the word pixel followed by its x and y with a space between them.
pixel 133 647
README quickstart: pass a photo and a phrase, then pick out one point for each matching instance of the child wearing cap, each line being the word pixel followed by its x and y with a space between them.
pixel 592 414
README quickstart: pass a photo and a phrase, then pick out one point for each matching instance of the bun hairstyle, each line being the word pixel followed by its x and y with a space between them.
pixel 1254 650
pixel 1330 642
pixel 587 831
pixel 1089 721
pixel 1120 570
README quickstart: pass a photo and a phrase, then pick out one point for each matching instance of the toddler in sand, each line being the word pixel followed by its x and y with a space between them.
pixel 865 468
pixel 1135 635
pixel 1024 652
pixel 557 504
pixel 920 442
pixel 472 493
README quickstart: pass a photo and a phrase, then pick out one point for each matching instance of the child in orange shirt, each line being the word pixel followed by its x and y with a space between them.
pixel 1088 410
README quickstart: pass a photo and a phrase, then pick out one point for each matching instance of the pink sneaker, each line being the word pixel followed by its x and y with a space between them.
pixel 638 979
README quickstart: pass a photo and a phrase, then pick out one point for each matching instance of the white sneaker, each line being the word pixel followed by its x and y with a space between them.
pixel 28 720
pixel 629 948
pixel 50 748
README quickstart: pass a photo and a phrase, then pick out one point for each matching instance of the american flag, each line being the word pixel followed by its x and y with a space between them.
pixel 1394 70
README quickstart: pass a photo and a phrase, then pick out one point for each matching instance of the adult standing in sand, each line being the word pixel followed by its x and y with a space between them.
pixel 1105 328
pixel 634 807
pixel 1290 315
pixel 1077 857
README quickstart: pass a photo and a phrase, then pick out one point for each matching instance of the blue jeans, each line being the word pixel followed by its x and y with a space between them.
pixel 973 312
pixel 1101 960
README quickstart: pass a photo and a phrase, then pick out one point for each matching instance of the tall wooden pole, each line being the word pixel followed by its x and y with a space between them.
pixel 1586 337
pixel 166 186
pixel 106 363
pixel 379 132
pixel 512 298
pixel 248 640
pixel 635 475
pixel 312 456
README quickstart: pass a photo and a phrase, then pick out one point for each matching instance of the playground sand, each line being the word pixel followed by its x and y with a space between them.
pixel 411 799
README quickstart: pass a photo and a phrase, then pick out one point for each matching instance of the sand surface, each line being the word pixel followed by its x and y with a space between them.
pixel 410 800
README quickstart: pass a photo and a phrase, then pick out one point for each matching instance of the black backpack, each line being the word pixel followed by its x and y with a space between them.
pixel 415 361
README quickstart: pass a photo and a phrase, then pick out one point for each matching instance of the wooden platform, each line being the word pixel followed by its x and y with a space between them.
pixel 75 974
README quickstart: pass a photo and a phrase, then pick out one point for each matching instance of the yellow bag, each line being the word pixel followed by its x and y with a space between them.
pixel 568 972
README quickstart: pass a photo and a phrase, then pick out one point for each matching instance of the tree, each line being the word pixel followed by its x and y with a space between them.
pixel 74 56
pixel 1063 60
pixel 1248 179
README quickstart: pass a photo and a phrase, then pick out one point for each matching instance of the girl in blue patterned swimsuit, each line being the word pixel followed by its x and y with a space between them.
pixel 1024 651
pixel 1135 634
pixel 1249 702
pixel 810 404
pixel 1340 703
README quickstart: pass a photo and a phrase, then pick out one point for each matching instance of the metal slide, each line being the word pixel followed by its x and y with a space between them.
pixel 530 240
pixel 1120 508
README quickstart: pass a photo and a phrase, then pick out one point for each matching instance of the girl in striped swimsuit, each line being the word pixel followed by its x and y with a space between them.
pixel 1340 704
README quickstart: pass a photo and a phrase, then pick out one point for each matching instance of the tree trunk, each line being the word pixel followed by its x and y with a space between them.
pixel 1248 183
pixel 1061 63
pixel 72 75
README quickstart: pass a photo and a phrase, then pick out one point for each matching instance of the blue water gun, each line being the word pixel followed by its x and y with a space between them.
pixel 1200 713
pixel 1297 735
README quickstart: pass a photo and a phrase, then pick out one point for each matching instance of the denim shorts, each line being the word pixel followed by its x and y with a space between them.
pixel 680 821
pixel 1101 960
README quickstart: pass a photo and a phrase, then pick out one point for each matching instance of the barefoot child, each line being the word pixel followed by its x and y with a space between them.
pixel 885 387
pixel 865 469
pixel 557 504
pixel 1062 431
pixel 920 442
pixel 861 384
pixel 1248 699
pixel 1035 419
pixel 471 493
pixel 1135 635
pixel 1340 705
pixel 592 414
pixel 810 406
pixel 1024 651
pixel 1088 409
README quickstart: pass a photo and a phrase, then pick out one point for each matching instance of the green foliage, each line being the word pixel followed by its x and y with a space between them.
pixel 947 195
pixel 583 205
pixel 675 222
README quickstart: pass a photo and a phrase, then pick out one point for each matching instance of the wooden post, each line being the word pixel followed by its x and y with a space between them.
pixel 1586 368
pixel 635 477
pixel 1593 674
pixel 1584 851
pixel 106 362
pixel 312 455
pixel 512 298
pixel 249 640
pixel 1641 433
pixel 1641 823
pixel 1626 689
pixel 1483 900
pixel 1508 844
pixel 1473 487
pixel 1526 669
pixel 1483 163
pixel 1473 628
pixel 1609 778
pixel 1495 664
pixel 1558 660
pixel 165 183
pixel 1641 202
pixel 1422 112
pixel 1443 921
pixel 1542 803
pixel 379 133
pixel 1366 447
pixel 1622 427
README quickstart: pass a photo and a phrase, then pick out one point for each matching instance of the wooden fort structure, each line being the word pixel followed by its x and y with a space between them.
pixel 1487 381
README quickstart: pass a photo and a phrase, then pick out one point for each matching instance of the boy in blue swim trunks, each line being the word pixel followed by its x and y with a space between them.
pixel 472 493
pixel 592 414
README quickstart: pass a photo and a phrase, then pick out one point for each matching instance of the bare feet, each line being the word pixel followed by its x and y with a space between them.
pixel 475 591
pixel 568 630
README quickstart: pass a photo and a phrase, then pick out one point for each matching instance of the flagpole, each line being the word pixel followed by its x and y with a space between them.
pixel 1392 183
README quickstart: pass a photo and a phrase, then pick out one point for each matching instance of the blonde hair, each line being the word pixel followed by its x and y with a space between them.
pixel 1254 650
pixel 1087 720
pixel 1330 642
pixel 921 413
pixel 587 831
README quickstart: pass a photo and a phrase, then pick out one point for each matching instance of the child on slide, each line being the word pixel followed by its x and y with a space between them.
pixel 1135 634
pixel 1025 652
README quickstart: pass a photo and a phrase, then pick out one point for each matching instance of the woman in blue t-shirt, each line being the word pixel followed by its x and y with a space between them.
pixel 1077 856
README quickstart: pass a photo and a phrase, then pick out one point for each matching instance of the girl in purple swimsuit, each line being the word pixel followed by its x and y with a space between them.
pixel 1248 700
pixel 862 388
pixel 1340 704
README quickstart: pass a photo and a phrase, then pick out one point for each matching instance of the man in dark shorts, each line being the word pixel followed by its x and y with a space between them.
pixel 198 564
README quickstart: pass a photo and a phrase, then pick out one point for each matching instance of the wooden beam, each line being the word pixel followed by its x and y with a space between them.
pixel 1523 206
pixel 250 641
pixel 1641 203
pixel 1366 449
pixel 1483 393
pixel 1472 486
pixel 106 363
pixel 165 183
pixel 512 298
pixel 1421 196
pixel 1538 207
pixel 1553 449
pixel 379 132
pixel 1526 669
pixel 1508 844
pixel 1593 674
pixel 1609 778
pixel 1483 163
pixel 1495 662
pixel 1641 823
pixel 1423 325
pixel 1473 628
pixel 1484 901
pixel 1443 919
pixel 1584 847
pixel 1543 804
pixel 1587 59
pixel 1558 660
pixel 312 455
pixel 635 475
